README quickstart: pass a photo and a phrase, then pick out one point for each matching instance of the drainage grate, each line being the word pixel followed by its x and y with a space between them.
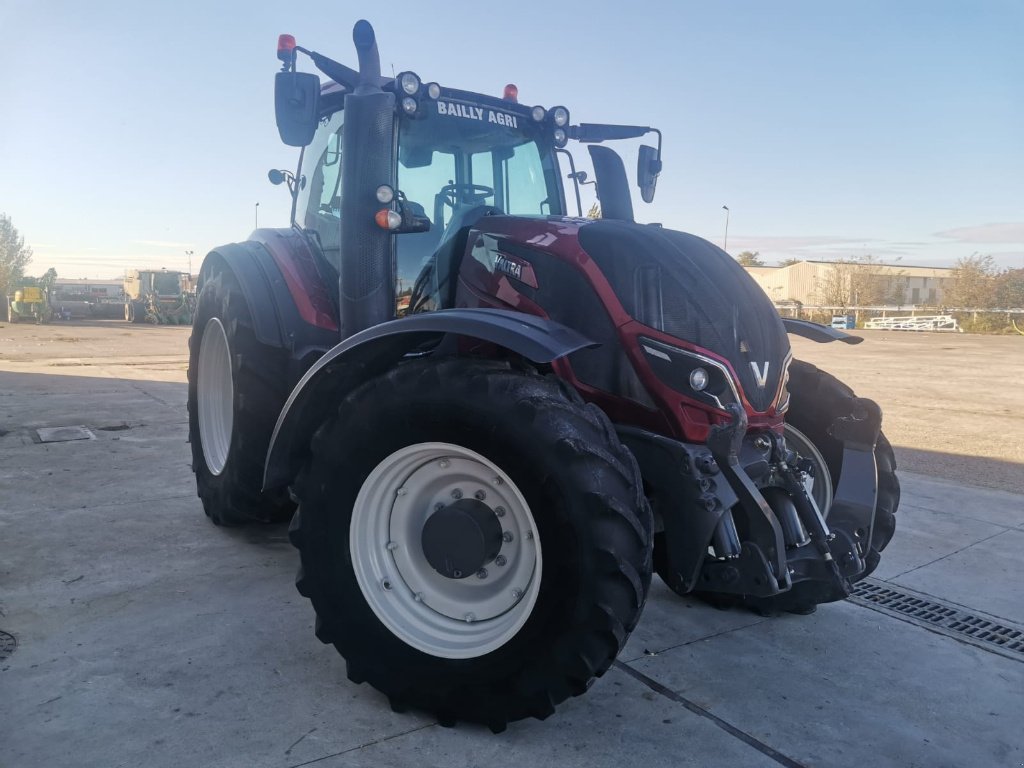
pixel 946 619
pixel 7 645
pixel 63 434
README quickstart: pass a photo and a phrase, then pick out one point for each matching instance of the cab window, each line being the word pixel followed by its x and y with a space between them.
pixel 319 203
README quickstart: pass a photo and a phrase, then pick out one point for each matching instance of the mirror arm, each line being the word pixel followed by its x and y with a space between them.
pixel 575 180
pixel 339 73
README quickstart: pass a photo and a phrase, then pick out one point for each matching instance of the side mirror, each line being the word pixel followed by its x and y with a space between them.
pixel 297 106
pixel 648 166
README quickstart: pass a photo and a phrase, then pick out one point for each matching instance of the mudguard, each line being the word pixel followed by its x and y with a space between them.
pixel 253 266
pixel 818 332
pixel 371 352
pixel 276 320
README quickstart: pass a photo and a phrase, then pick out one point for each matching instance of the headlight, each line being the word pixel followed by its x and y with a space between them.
pixel 560 116
pixel 434 91
pixel 409 82
pixel 698 379
pixel 697 376
pixel 538 114
pixel 409 105
pixel 385 194
pixel 560 137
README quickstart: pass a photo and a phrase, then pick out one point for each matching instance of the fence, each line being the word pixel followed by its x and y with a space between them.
pixel 914 318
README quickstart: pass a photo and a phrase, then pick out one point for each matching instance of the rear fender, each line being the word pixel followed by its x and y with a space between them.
pixel 370 353
pixel 276 319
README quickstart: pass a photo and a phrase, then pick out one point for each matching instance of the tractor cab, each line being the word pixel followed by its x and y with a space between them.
pixel 439 159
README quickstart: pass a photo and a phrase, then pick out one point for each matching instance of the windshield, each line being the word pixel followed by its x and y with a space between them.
pixel 462 156
pixel 166 284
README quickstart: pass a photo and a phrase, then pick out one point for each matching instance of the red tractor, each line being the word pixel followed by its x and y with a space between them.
pixel 497 419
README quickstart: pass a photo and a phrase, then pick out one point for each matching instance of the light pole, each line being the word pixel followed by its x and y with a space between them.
pixel 257 215
pixel 189 254
pixel 725 243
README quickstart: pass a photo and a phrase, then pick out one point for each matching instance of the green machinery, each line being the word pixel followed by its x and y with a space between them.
pixel 28 304
pixel 159 297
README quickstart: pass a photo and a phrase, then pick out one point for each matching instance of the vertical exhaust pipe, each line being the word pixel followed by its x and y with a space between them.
pixel 369 58
pixel 366 279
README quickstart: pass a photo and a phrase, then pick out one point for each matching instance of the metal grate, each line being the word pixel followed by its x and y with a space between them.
pixel 947 619
pixel 63 434
pixel 7 645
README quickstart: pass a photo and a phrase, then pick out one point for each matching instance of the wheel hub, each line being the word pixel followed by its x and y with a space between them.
pixel 215 396
pixel 429 517
pixel 461 538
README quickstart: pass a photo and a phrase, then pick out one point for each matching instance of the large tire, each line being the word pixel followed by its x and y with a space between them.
pixel 592 526
pixel 239 409
pixel 816 399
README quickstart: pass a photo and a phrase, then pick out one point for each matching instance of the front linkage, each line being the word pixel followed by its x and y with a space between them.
pixel 745 497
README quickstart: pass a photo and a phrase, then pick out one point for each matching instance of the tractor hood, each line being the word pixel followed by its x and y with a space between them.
pixel 688 288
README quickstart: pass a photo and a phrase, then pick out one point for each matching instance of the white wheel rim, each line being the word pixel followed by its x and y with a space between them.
pixel 215 395
pixel 819 486
pixel 444 617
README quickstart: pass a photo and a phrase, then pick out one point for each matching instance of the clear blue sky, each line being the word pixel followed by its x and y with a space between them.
pixel 131 132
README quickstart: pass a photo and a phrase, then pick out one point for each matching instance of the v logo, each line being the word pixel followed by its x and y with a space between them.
pixel 761 377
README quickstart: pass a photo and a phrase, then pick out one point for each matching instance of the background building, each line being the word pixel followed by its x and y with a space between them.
pixel 853 283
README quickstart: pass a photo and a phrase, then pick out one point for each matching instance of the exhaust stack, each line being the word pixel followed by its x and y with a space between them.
pixel 366 279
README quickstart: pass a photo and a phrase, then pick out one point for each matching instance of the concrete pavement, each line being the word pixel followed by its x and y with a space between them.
pixel 147 636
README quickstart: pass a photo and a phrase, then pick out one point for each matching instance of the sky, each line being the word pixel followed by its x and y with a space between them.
pixel 131 133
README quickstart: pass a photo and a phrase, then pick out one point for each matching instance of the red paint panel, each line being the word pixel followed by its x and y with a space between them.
pixel 481 285
pixel 293 257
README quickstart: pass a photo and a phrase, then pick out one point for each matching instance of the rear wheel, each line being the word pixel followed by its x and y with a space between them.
pixel 474 540
pixel 237 387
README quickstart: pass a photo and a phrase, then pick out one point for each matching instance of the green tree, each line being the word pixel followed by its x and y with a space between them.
pixel 1008 290
pixel 14 255
pixel 972 284
pixel 789 262
pixel 48 280
pixel 750 259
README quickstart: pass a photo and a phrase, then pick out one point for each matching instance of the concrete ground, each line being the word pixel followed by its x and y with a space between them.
pixel 148 637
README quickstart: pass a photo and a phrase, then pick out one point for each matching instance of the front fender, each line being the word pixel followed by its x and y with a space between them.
pixel 369 353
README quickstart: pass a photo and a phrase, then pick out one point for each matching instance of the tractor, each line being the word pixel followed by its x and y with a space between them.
pixel 489 421
pixel 158 297
pixel 29 303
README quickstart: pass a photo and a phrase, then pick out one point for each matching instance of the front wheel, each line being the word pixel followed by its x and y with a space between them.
pixel 817 398
pixel 474 540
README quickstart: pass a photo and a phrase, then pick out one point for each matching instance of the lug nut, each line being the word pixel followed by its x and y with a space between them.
pixel 516 594
pixel 500 560
pixel 482 573
pixel 480 495
pixel 457 493
pixel 529 535
pixel 400 492
pixel 506 536
pixel 499 511
pixel 457 574
pixel 386 583
pixel 470 618
pixel 498 481
pixel 418 597
pixel 439 506
pixel 443 463
pixel 391 546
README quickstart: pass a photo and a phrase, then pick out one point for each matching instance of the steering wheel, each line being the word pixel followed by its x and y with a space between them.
pixel 454 195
